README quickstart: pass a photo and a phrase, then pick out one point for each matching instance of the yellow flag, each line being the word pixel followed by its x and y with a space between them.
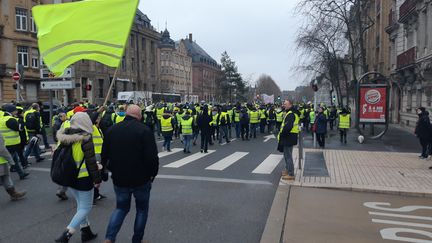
pixel 91 29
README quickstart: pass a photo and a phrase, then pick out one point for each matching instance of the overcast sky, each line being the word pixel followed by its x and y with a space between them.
pixel 258 35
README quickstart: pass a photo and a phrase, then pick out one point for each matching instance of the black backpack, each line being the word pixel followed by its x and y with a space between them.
pixel 31 121
pixel 64 171
pixel 106 121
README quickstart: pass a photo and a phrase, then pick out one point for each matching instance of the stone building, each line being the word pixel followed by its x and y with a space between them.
pixel 409 31
pixel 138 71
pixel 205 71
pixel 175 66
pixel 18 44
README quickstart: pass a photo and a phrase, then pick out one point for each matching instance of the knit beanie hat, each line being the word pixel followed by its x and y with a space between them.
pixel 81 120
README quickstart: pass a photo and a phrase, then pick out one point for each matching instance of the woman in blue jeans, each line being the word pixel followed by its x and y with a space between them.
pixel 79 137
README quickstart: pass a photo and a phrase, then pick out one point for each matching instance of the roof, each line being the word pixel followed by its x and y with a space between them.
pixel 197 53
pixel 166 41
pixel 141 18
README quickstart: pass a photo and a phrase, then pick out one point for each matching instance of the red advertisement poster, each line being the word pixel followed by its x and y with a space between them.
pixel 373 104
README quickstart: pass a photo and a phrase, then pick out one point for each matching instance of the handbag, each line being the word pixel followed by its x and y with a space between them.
pixel 314 127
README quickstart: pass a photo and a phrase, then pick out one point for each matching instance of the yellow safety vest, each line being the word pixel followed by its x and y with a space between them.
pixel 159 113
pixel 187 126
pixel 236 116
pixel 344 121
pixel 222 114
pixel 262 114
pixel 295 128
pixel 78 156
pixel 69 114
pixel 254 117
pixel 312 117
pixel 10 136
pixel 64 125
pixel 166 124
pixel 279 116
pixel 97 140
pixel 213 122
pixel 116 118
pixel 1 114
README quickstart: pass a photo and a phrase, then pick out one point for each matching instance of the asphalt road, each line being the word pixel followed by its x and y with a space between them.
pixel 223 197
pixel 333 216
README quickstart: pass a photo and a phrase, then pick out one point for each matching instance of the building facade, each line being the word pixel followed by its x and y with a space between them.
pixel 409 32
pixel 205 71
pixel 175 66
pixel 139 69
pixel 18 45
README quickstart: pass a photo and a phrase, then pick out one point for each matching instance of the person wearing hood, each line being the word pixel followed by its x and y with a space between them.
pixel 10 129
pixel 79 135
pixel 167 128
pixel 423 131
pixel 204 123
pixel 186 124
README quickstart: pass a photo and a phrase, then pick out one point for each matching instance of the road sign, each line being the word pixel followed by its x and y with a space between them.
pixel 16 76
pixel 45 73
pixel 52 85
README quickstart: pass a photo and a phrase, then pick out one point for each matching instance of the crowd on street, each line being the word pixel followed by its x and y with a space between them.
pixel 94 140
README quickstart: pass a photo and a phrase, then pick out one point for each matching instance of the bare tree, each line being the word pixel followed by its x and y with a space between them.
pixel 266 85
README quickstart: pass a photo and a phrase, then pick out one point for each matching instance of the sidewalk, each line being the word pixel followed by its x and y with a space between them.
pixel 384 172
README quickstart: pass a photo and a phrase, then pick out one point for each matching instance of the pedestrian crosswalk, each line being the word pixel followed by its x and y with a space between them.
pixel 217 162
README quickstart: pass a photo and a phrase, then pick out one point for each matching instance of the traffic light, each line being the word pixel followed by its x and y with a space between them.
pixel 88 87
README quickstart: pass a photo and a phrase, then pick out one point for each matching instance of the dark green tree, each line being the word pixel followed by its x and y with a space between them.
pixel 232 87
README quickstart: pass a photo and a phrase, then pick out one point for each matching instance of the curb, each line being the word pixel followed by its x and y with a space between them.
pixel 273 231
pixel 370 189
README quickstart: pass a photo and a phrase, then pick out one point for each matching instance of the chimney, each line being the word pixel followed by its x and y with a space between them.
pixel 190 37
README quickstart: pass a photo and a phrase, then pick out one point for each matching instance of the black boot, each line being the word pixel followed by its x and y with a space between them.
pixel 64 238
pixel 87 234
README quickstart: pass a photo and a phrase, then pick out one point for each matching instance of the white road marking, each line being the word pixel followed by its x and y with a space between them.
pixel 227 161
pixel 189 159
pixel 166 153
pixel 225 143
pixel 39 169
pixel 380 221
pixel 212 179
pixel 269 164
pixel 395 215
pixel 267 138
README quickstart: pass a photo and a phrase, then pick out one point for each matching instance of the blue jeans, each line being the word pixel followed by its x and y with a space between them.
pixel 223 130
pixel 187 142
pixel 289 162
pixel 84 201
pixel 237 129
pixel 32 147
pixel 253 128
pixel 167 142
pixel 123 195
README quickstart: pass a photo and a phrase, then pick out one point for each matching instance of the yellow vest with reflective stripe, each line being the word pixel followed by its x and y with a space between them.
pixel 295 128
pixel 222 114
pixel 236 116
pixel 2 161
pixel 166 124
pixel 116 118
pixel 159 113
pixel 78 156
pixel 64 125
pixel 97 140
pixel 312 117
pixel 69 114
pixel 186 126
pixel 262 114
pixel 254 117
pixel 279 116
pixel 10 136
pixel 344 121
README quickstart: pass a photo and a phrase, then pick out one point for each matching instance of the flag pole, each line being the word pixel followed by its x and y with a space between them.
pixel 111 86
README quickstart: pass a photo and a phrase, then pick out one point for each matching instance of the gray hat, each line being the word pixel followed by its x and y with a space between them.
pixel 9 108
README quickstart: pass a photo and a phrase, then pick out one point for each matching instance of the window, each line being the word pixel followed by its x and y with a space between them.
pixel 143 43
pixel 83 87
pixel 21 19
pixel 123 64
pixel 134 86
pixel 124 86
pixel 101 88
pixel 132 63
pixel 153 87
pixel 33 27
pixel 35 58
pixel 145 87
pixel 23 55
pixel 31 92
pixel 132 41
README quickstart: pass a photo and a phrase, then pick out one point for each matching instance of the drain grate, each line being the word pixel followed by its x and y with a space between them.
pixel 315 165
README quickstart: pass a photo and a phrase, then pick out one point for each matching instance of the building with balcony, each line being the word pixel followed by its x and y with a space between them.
pixel 175 66
pixel 411 58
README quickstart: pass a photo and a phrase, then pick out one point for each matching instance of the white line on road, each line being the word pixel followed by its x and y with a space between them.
pixel 225 143
pixel 211 179
pixel 269 164
pixel 395 215
pixel 227 161
pixel 191 178
pixel 380 221
pixel 166 153
pixel 187 160
pixel 267 138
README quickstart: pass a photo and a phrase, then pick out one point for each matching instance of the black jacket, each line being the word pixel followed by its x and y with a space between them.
pixel 423 128
pixel 286 137
pixel 129 151
pixel 203 121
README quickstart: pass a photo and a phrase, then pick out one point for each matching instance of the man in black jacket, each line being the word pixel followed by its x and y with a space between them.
pixel 129 151
pixel 288 137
